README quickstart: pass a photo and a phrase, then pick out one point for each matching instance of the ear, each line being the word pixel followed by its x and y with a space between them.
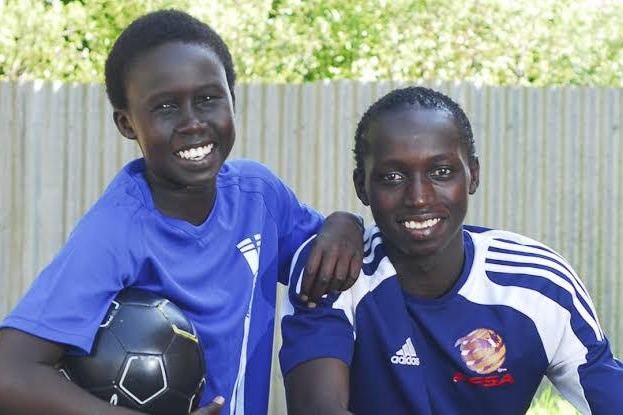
pixel 123 123
pixel 474 170
pixel 359 180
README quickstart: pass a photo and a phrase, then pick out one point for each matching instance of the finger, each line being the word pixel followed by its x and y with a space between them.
pixel 310 272
pixel 323 279
pixel 339 275
pixel 353 272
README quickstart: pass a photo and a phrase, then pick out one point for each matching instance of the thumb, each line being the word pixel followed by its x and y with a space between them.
pixel 214 408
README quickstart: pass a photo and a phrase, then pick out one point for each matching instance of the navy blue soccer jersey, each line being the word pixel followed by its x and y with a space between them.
pixel 518 312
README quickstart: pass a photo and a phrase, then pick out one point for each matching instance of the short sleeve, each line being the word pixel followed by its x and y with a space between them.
pixel 311 333
pixel 69 298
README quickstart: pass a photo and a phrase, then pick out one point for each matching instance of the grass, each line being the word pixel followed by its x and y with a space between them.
pixel 549 402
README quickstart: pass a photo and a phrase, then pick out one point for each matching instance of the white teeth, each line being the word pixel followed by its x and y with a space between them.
pixel 411 224
pixel 196 153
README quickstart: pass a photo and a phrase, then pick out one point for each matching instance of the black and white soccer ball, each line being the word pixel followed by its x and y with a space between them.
pixel 146 356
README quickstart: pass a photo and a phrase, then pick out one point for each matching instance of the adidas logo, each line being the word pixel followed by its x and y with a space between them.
pixel 250 248
pixel 406 355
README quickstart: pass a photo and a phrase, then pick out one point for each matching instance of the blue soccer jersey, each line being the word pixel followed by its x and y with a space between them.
pixel 223 273
pixel 517 312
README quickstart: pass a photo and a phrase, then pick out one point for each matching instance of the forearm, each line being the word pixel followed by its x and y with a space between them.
pixel 306 408
pixel 319 386
pixel 41 389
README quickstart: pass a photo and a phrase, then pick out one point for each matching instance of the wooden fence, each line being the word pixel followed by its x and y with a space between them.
pixel 551 163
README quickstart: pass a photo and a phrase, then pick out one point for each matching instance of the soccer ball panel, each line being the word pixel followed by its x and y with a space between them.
pixel 133 324
pixel 175 316
pixel 108 356
pixel 184 365
pixel 143 378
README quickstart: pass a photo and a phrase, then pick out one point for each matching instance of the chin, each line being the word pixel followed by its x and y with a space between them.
pixel 418 252
pixel 409 248
pixel 201 184
pixel 200 178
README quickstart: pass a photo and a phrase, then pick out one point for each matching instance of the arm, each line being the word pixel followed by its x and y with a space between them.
pixel 30 384
pixel 318 386
pixel 582 366
pixel 336 257
pixel 337 254
pixel 63 308
pixel 588 375
pixel 317 347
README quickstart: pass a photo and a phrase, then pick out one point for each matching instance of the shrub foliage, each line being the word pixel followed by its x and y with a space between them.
pixel 495 42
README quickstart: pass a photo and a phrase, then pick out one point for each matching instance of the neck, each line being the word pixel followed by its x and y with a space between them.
pixel 430 276
pixel 192 204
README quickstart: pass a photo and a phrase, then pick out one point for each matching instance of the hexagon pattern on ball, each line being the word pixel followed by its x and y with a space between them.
pixel 146 356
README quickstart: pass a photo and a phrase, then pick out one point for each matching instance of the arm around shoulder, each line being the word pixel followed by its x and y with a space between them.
pixel 319 386
pixel 336 258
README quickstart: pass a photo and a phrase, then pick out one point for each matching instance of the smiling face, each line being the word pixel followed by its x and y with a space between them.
pixel 180 111
pixel 417 179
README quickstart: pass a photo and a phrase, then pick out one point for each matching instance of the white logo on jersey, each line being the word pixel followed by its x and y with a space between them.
pixel 250 248
pixel 406 355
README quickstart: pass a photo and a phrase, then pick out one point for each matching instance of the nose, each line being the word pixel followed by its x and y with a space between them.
pixel 189 121
pixel 420 191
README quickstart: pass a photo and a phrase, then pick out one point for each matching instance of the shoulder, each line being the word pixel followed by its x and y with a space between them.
pixel 516 255
pixel 119 206
pixel 127 190
pixel 530 277
pixel 494 245
pixel 253 182
pixel 519 258
pixel 481 233
pixel 376 270
pixel 249 175
pixel 376 266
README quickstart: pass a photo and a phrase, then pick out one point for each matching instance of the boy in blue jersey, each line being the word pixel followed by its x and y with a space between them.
pixel 214 237
pixel 445 318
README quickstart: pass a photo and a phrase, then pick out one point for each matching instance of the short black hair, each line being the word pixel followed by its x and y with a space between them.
pixel 152 30
pixel 423 98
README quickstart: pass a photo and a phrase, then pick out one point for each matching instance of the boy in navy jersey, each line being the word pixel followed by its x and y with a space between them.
pixel 214 237
pixel 445 318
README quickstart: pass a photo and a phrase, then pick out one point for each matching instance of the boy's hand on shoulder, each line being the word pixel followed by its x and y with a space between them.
pixel 214 408
pixel 335 260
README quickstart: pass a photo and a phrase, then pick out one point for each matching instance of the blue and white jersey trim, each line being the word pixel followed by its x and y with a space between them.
pixel 528 277
pixel 376 269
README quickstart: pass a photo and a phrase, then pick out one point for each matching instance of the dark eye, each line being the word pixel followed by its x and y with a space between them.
pixel 441 172
pixel 165 107
pixel 204 99
pixel 391 177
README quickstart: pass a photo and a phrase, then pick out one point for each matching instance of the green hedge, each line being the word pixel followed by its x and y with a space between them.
pixel 496 42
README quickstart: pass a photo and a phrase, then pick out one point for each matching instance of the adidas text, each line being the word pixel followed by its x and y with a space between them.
pixel 406 360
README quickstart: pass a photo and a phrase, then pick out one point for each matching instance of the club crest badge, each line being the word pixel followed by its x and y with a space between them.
pixel 482 350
